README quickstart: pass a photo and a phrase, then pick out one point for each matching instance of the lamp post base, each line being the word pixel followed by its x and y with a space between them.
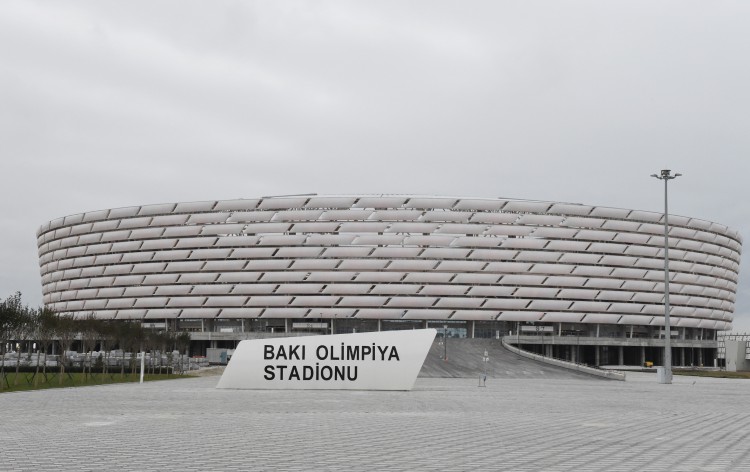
pixel 663 376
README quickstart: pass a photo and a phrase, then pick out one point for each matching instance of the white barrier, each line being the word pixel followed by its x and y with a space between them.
pixel 608 374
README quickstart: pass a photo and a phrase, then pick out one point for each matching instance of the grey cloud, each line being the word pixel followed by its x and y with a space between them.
pixel 109 103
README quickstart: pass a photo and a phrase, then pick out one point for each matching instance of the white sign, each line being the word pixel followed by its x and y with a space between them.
pixel 309 325
pixel 538 329
pixel 386 360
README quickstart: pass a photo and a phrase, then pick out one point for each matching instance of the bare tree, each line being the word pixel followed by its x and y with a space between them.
pixel 65 331
pixel 46 329
pixel 9 315
pixel 135 342
pixel 182 341
pixel 22 328
pixel 106 339
pixel 89 333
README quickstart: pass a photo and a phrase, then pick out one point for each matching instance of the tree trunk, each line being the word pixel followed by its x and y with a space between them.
pixel 85 357
pixel 18 364
pixel 63 356
pixel 44 367
pixel 2 368
pixel 36 372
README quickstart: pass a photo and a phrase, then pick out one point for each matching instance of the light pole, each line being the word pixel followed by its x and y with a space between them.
pixel 483 379
pixel 666 176
pixel 445 342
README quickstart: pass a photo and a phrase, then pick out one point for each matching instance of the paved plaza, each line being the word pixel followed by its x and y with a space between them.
pixel 556 424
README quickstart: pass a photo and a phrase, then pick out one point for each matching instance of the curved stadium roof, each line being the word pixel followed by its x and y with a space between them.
pixel 389 257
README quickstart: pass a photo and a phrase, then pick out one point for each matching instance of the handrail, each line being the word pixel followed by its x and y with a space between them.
pixel 608 374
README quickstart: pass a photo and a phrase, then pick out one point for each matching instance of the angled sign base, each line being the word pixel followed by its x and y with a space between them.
pixel 385 360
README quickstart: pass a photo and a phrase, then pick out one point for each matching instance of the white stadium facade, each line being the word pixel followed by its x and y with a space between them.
pixel 572 281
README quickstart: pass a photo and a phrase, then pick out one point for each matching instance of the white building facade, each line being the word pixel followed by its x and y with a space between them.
pixel 569 280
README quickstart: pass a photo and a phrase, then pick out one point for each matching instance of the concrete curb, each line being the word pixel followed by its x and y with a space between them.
pixel 607 374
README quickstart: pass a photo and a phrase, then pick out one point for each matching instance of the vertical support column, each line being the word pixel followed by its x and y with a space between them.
pixel 286 325
pixel 643 355
pixel 597 359
pixel 424 324
pixel 700 357
pixel 472 323
pixel 242 324
pixel 621 355
pixel 380 327
pixel 682 356
pixel 597 332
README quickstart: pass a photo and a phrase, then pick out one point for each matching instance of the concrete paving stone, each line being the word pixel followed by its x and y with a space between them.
pixel 552 424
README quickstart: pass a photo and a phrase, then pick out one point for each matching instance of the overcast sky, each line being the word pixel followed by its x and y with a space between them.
pixel 116 103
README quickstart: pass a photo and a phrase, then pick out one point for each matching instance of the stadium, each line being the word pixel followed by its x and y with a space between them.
pixel 571 281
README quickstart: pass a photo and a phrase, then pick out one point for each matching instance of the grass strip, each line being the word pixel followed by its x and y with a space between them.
pixel 714 373
pixel 27 381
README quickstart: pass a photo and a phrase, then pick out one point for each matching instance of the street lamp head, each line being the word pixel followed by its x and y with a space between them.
pixel 666 174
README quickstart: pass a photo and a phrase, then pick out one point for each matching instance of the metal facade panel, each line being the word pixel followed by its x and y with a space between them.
pixel 479 205
pixel 378 239
pixel 395 215
pixel 495 218
pixel 411 302
pixel 254 289
pixel 433 314
pixel 282 203
pixel 427 203
pixel 330 202
pixel 442 216
pixel 250 217
pixel 393 289
pixel 520 316
pixel 540 220
pixel 591 263
pixel 537 292
pixel 474 315
pixel 296 215
pixel 380 202
pixel 556 317
pixel 363 264
pixel 240 313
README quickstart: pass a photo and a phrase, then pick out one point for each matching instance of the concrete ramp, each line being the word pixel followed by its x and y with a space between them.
pixel 465 361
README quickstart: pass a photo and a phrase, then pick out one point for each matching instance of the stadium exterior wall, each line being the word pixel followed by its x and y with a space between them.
pixel 360 261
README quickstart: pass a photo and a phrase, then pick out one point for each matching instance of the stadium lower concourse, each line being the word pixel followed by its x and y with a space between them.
pixel 571 281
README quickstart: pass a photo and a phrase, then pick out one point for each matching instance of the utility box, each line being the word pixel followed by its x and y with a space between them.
pixel 219 355
pixel 216 356
pixel 735 355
